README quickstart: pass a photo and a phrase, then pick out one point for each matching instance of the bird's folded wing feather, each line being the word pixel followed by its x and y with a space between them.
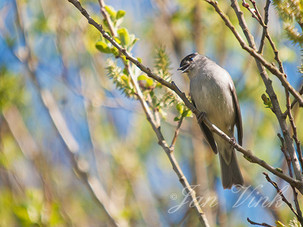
pixel 208 134
pixel 238 114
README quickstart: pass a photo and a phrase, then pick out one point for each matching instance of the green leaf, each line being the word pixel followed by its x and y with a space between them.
pixel 124 36
pixel 115 51
pixel 187 113
pixel 176 119
pixel 266 101
pixel 134 41
pixel 180 108
pixel 103 47
pixel 141 77
pixel 148 81
pixel 117 40
pixel 120 14
pixel 125 78
pixel 111 12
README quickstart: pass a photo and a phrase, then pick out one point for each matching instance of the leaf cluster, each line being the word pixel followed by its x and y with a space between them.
pixel 121 78
pixel 161 97
pixel 158 97
pixel 123 37
pixel 291 13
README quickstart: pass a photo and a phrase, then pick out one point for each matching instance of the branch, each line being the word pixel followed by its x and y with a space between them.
pixel 247 153
pixel 270 90
pixel 266 16
pixel 294 129
pixel 265 31
pixel 260 224
pixel 156 127
pixel 280 193
pixel 107 18
pixel 172 145
pixel 274 70
pixel 299 212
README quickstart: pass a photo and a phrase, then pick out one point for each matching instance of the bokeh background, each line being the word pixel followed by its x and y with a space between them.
pixel 59 108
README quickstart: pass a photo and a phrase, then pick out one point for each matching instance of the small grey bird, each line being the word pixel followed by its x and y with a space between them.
pixel 213 92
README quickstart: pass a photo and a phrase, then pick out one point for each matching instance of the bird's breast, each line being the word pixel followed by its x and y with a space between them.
pixel 214 99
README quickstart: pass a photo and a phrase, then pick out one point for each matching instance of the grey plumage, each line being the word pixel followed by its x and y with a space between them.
pixel 213 92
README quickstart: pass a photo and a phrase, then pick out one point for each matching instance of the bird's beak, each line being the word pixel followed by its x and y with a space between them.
pixel 183 68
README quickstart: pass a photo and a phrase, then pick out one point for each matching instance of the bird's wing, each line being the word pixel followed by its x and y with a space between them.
pixel 238 114
pixel 208 134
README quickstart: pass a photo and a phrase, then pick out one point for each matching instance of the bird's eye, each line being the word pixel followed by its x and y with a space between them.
pixel 190 59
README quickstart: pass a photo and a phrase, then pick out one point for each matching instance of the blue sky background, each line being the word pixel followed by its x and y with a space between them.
pixel 49 68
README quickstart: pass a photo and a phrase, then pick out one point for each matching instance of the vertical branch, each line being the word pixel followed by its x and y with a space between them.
pixel 252 50
pixel 270 91
pixel 156 128
pixel 299 212
pixel 169 152
pixel 107 18
pixel 173 142
pixel 264 32
pixel 274 184
pixel 294 129
pixel 171 85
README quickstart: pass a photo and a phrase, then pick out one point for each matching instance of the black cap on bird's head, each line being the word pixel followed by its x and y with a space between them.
pixel 187 62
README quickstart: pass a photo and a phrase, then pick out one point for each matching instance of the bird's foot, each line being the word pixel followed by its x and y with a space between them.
pixel 201 117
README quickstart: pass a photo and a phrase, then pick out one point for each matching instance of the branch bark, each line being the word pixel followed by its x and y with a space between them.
pixel 270 91
pixel 156 128
pixel 252 51
pixel 171 85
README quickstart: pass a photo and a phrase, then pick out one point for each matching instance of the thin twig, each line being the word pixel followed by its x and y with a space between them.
pixel 269 89
pixel 274 184
pixel 299 212
pixel 169 151
pixel 256 14
pixel 152 119
pixel 294 129
pixel 253 12
pixel 256 11
pixel 288 105
pixel 266 16
pixel 253 52
pixel 286 155
pixel 172 145
pixel 172 86
pixel 260 224
pixel 107 18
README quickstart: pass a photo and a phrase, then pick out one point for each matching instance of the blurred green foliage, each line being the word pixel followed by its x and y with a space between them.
pixel 111 129
pixel 11 89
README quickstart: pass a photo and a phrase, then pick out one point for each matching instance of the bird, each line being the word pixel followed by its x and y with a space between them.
pixel 213 93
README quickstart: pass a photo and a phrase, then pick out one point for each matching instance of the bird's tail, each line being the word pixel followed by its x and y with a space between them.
pixel 231 174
